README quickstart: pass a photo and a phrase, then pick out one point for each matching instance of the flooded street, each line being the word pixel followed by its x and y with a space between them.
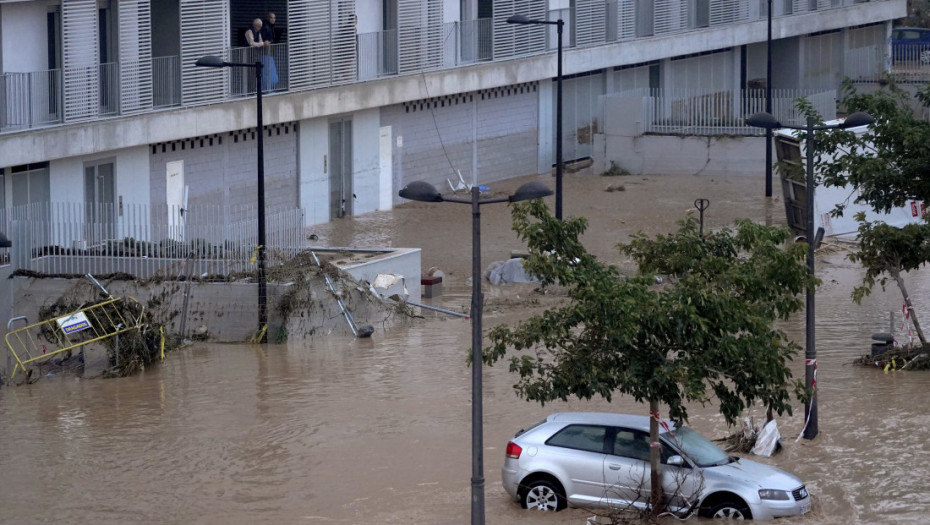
pixel 378 430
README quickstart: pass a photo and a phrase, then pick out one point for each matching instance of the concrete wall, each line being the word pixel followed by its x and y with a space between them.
pixel 402 261
pixel 624 144
pixel 433 138
pixel 24 37
pixel 221 169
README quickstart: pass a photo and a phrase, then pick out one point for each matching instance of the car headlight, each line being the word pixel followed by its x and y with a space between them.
pixel 774 494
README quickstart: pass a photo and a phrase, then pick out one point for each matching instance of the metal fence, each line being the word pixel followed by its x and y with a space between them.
pixel 377 54
pixel 166 81
pixel 109 89
pixel 274 70
pixel 467 42
pixel 30 99
pixel 703 112
pixel 143 240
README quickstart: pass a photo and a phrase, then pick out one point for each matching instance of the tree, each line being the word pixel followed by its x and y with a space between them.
pixel 705 331
pixel 890 165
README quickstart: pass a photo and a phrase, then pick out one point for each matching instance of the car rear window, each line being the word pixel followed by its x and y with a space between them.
pixel 580 437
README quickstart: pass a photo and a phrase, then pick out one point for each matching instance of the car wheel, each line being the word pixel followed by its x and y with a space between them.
pixel 543 495
pixel 728 510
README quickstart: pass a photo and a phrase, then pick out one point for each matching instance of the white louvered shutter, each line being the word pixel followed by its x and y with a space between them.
pixel 590 22
pixel 204 31
pixel 514 40
pixel 626 19
pixel 309 45
pixel 419 26
pixel 671 16
pixel 343 42
pixel 81 58
pixel 135 55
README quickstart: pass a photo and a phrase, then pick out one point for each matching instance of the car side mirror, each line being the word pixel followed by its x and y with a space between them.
pixel 676 460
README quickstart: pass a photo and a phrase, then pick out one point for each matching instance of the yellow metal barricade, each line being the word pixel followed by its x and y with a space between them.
pixel 51 337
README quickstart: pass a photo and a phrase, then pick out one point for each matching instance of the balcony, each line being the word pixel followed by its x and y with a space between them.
pixel 274 70
pixel 29 100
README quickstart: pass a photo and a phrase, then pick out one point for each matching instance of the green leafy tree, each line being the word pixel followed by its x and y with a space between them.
pixel 890 165
pixel 707 330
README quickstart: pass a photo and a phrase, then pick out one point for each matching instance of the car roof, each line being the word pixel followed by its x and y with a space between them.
pixel 604 418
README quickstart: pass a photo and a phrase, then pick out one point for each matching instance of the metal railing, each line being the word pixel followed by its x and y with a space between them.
pixel 467 42
pixel 109 89
pixel 274 72
pixel 377 54
pixel 704 112
pixel 166 81
pixel 30 99
pixel 911 61
pixel 142 240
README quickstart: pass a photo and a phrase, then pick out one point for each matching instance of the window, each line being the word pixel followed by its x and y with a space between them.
pixel 631 444
pixel 580 437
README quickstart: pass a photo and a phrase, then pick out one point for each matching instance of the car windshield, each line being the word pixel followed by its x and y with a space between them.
pixel 699 448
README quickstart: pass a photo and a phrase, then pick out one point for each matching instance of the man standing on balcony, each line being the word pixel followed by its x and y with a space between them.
pixel 255 38
pixel 269 35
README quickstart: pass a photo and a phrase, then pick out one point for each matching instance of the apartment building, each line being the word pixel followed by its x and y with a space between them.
pixel 101 103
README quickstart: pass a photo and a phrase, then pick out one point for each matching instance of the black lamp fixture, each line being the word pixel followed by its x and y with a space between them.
pixel 768 121
pixel 426 192
pixel 214 61
pixel 559 161
pixel 5 241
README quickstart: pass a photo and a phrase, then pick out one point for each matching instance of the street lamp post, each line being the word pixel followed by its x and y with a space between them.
pixel 559 161
pixel 426 192
pixel 213 61
pixel 767 121
pixel 768 105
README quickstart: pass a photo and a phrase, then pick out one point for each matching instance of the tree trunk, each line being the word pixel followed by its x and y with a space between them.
pixel 907 302
pixel 655 480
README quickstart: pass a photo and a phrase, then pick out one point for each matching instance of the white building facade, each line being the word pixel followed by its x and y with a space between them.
pixel 101 102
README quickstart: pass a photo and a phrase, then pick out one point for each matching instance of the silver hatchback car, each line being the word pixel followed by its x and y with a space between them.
pixel 589 459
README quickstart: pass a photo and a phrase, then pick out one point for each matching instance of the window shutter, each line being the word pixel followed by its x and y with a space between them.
pixel 204 31
pixel 135 55
pixel 81 58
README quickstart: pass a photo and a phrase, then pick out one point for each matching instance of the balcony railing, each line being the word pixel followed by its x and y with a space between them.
pixel 109 89
pixel 274 72
pixel 166 82
pixel 377 54
pixel 30 99
pixel 467 42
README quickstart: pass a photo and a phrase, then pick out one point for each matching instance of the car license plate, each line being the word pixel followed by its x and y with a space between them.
pixel 806 507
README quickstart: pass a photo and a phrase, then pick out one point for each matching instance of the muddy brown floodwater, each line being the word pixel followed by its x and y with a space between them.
pixel 378 430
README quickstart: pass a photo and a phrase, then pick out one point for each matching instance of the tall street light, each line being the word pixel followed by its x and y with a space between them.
pixel 768 105
pixel 213 61
pixel 767 121
pixel 524 20
pixel 426 192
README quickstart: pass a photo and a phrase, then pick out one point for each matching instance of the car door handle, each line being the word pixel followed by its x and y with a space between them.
pixel 614 466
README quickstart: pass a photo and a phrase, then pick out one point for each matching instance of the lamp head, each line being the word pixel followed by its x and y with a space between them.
pixel 210 61
pixel 529 191
pixel 520 19
pixel 763 120
pixel 5 241
pixel 859 118
pixel 420 191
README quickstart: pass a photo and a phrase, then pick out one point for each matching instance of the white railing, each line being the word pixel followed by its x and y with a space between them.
pixel 274 70
pixel 703 112
pixel 143 240
pixel 109 89
pixel 30 99
pixel 467 42
pixel 166 81
pixel 911 61
pixel 377 54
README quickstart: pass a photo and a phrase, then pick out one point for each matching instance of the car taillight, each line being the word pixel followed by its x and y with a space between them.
pixel 513 450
